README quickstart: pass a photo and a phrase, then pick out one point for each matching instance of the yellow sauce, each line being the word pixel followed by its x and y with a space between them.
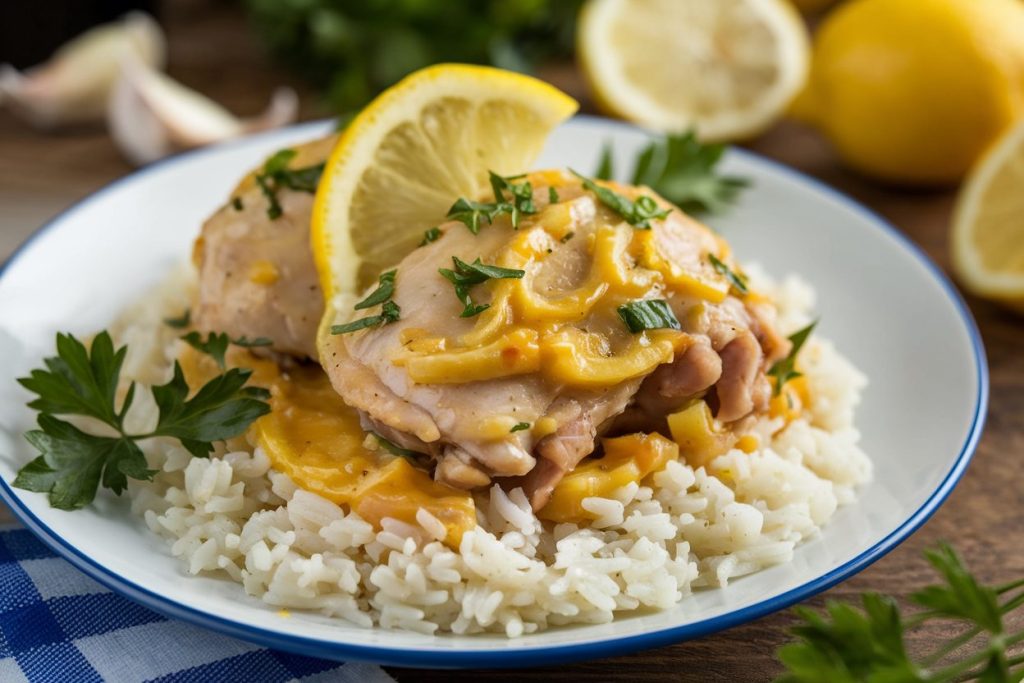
pixel 525 331
pixel 263 272
pixel 700 437
pixel 626 459
pixel 314 438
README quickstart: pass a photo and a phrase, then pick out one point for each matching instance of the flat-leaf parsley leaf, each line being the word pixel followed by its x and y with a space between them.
pixel 74 462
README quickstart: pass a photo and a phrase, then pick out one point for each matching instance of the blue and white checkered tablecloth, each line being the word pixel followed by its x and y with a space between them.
pixel 59 626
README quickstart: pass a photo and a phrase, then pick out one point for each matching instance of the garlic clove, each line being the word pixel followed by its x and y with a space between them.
pixel 73 86
pixel 150 115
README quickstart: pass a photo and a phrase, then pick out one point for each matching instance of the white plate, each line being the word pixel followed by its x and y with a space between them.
pixel 883 303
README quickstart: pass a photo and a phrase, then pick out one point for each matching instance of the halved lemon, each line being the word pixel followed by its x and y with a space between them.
pixel 728 68
pixel 411 153
pixel 988 224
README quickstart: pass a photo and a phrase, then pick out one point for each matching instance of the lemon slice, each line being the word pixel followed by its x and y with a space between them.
pixel 728 68
pixel 411 153
pixel 988 224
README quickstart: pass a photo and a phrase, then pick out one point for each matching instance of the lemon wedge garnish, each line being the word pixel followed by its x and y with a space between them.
pixel 418 147
pixel 988 224
pixel 729 68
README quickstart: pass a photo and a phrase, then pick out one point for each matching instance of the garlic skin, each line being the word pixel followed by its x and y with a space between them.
pixel 150 115
pixel 73 86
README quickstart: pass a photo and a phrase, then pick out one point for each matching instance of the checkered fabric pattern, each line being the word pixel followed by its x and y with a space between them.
pixel 58 625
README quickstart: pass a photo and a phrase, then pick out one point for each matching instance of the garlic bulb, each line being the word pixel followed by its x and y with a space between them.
pixel 75 84
pixel 150 115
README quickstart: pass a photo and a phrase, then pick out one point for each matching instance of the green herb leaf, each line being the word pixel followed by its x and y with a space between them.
pixel 683 170
pixel 222 408
pixel 552 195
pixel 519 426
pixel 430 235
pixel 473 214
pixel 649 314
pixel 385 290
pixel 276 175
pixel 962 596
pixel 180 322
pixel 465 275
pixel 78 381
pixel 237 204
pixel 394 449
pixel 738 282
pixel 638 213
pixel 520 196
pixel 606 165
pixel 390 312
pixel 785 369
pixel 848 644
pixel 215 345
pixel 567 236
pixel 247 343
pixel 74 463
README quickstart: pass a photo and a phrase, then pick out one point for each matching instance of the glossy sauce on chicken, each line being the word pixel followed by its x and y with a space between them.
pixel 520 392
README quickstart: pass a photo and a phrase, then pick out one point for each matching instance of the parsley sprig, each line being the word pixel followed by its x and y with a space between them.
pixel 851 644
pixel 389 310
pixel 74 462
pixel 785 369
pixel 637 213
pixel 276 175
pixel 682 170
pixel 465 275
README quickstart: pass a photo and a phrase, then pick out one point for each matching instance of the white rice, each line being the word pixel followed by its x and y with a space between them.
pixel 649 547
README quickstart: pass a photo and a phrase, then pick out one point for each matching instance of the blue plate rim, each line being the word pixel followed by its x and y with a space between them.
pixel 498 657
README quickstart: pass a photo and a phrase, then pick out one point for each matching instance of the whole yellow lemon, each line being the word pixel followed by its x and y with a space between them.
pixel 913 91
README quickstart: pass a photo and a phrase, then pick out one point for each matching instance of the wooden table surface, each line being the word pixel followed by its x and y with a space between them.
pixel 40 175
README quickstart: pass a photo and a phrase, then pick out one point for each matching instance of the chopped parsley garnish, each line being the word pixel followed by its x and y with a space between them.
pixel 649 314
pixel 606 164
pixel 553 195
pixel 215 345
pixel 682 170
pixel 247 343
pixel 567 236
pixel 385 290
pixel 394 449
pixel 276 175
pixel 473 214
pixel 514 199
pixel 738 282
pixel 465 275
pixel 389 310
pixel 237 204
pixel 637 213
pixel 430 235
pixel 785 369
pixel 519 426
pixel 74 462
pixel 181 322
pixel 389 313
pixel 519 199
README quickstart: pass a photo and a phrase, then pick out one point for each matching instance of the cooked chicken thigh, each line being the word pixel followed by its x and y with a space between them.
pixel 256 272
pixel 521 391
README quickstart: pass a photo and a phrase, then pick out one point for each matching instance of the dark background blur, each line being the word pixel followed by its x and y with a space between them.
pixel 30 30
